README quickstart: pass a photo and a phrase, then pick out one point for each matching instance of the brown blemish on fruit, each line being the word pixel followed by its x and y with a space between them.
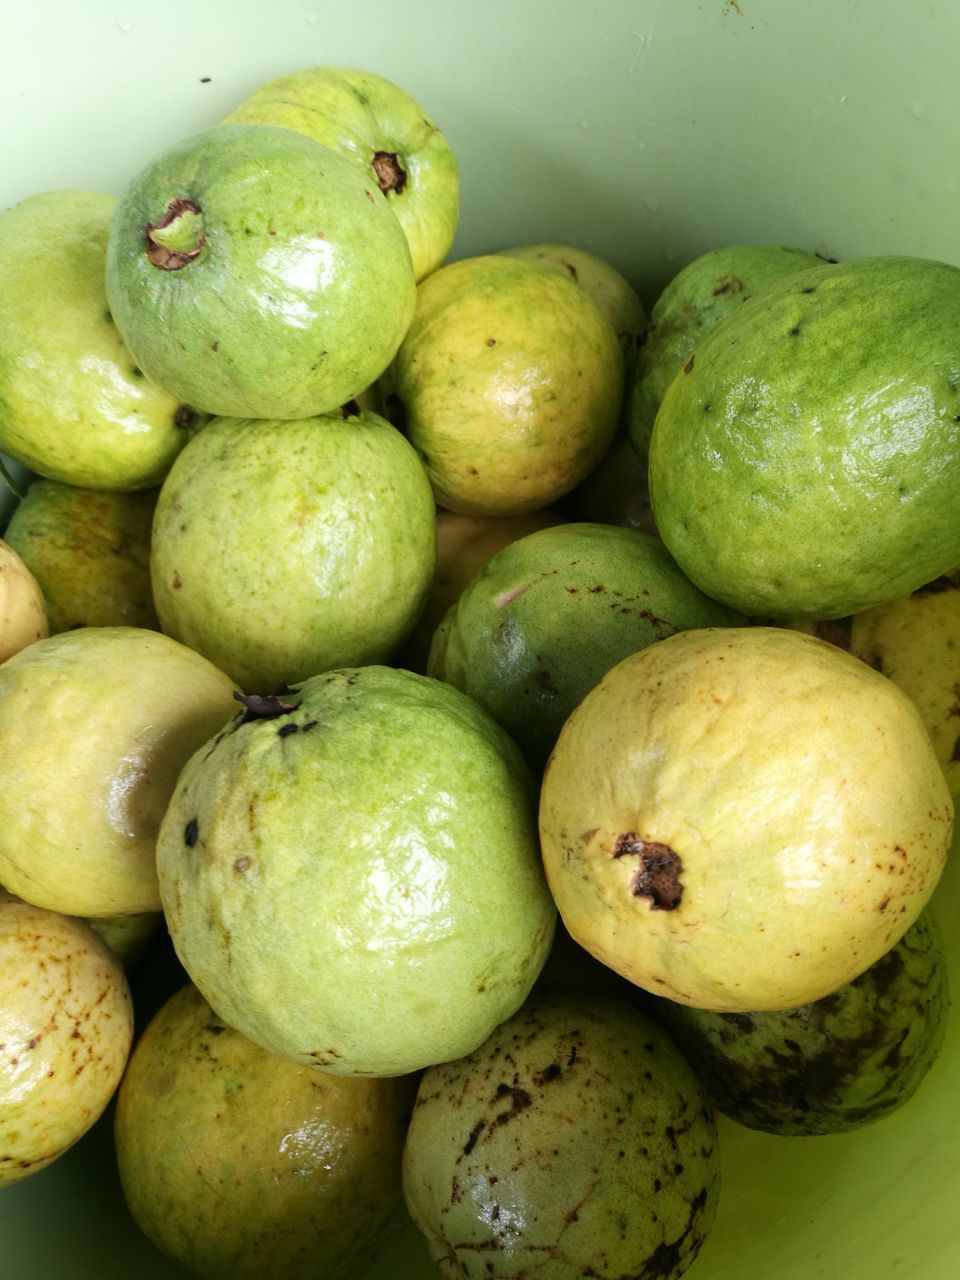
pixel 241 864
pixel 190 833
pixel 728 285
pixel 688 367
pixel 176 582
pixel 160 255
pixel 263 706
pixel 657 876
pixel 390 173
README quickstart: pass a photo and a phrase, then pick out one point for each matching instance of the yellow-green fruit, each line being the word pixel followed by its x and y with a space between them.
pixel 916 642
pixel 128 937
pixel 239 1163
pixel 23 610
pixel 743 818
pixel 508 384
pixel 66 1026
pixel 804 463
pixel 95 725
pixel 74 405
pixel 89 551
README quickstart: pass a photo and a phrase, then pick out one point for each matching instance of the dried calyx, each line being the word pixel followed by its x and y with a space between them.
pixel 390 173
pixel 177 237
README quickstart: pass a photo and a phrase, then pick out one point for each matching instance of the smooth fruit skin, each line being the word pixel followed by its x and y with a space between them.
pixel 385 133
pixel 89 550
pixel 698 297
pixel 282 549
pixel 236 1162
pixel 831 1066
pixel 66 1026
pixel 576 1141
pixel 95 725
pixel 508 384
pixel 23 609
pixel 354 882
pixel 291 284
pixel 804 463
pixel 74 404
pixel 743 818
pixel 551 613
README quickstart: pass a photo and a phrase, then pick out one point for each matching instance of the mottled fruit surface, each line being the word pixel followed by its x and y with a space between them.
pixel 236 1162
pixel 254 272
pixel 89 550
pixel 743 819
pixel 833 1065
pixel 551 613
pixel 351 876
pixel 575 1142
pixel 66 1026
pixel 508 383
pixel 282 549
pixel 95 725
pixel 804 462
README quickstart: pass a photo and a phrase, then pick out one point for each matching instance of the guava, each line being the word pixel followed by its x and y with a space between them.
pixel 255 273
pixel 551 613
pixel 350 873
pixel 832 1066
pixel 804 463
pixel 464 545
pixel 387 135
pixel 128 937
pixel 65 1034
pixel 89 550
pixel 74 403
pixel 238 1163
pixel 613 293
pixel 23 609
pixel 508 383
pixel 94 727
pixel 698 297
pixel 284 548
pixel 743 819
pixel 576 1141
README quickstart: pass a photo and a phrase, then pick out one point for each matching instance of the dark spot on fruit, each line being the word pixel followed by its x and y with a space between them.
pixel 214 345
pixel 242 864
pixel 475 1133
pixel 657 876
pixel 215 1029
pixel 190 833
pixel 286 729
pixel 491 342
pixel 688 367
pixel 204 79
pixel 794 331
pixel 809 288
pixel 264 706
pixel 548 1073
pixel 728 285
pixel 390 173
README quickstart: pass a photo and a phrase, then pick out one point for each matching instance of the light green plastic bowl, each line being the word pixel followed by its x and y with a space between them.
pixel 647 131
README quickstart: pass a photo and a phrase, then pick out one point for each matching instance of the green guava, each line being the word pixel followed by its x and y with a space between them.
pixel 74 404
pixel 551 613
pixel 576 1141
pixel 508 383
pixel 698 297
pixel 238 1163
pixel 89 550
pixel 387 135
pixel 256 273
pixel 835 1065
pixel 282 549
pixel 94 727
pixel 350 873
pixel 65 1034
pixel 743 819
pixel 804 464
pixel 23 609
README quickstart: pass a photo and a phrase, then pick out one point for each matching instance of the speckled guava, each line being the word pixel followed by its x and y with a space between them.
pixel 282 549
pixel 89 550
pixel 23 609
pixel 551 613
pixel 350 873
pixel 743 819
pixel 74 404
pixel 804 463
pixel 387 135
pixel 698 297
pixel 238 1163
pixel 835 1065
pixel 576 1141
pixel 255 273
pixel 66 1029
pixel 94 727
pixel 508 383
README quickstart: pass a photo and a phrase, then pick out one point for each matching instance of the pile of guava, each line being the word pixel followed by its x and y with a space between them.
pixel 462 730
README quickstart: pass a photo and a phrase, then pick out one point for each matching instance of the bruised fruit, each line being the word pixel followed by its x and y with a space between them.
pixel 351 876
pixel 576 1141
pixel 831 1066
pixel 743 819
pixel 238 1163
